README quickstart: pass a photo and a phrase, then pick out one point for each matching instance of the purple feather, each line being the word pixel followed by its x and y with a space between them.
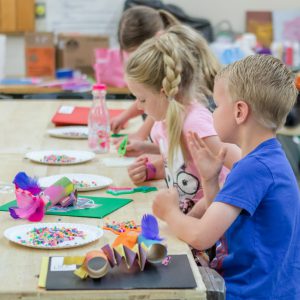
pixel 24 182
pixel 149 227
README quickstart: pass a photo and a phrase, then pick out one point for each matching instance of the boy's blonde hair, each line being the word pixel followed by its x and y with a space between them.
pixel 266 84
pixel 171 62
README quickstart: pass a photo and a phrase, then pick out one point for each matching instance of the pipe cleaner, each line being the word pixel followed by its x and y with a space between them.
pixel 113 190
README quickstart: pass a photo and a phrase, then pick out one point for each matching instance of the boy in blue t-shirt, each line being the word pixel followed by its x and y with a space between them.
pixel 255 217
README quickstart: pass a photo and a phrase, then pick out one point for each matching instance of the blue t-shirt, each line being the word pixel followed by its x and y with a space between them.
pixel 259 255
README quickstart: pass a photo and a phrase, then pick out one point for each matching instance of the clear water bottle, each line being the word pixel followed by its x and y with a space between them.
pixel 98 121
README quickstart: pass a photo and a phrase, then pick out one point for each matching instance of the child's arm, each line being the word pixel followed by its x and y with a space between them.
pixel 233 152
pixel 199 233
pixel 211 188
pixel 144 131
pixel 137 148
pixel 138 170
pixel 118 122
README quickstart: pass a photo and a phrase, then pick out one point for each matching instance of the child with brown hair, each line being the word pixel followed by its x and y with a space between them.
pixel 138 24
pixel 255 217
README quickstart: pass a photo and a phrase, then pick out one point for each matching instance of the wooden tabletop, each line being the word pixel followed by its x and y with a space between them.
pixel 34 89
pixel 23 128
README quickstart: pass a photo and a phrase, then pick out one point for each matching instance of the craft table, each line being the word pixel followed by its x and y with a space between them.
pixel 23 128
pixel 34 89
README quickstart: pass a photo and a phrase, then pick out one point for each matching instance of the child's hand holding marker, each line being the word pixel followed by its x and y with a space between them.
pixel 132 148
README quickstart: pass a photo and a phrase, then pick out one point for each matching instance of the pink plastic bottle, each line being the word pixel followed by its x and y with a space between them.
pixel 98 121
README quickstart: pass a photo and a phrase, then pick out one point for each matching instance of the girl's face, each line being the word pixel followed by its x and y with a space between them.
pixel 155 104
pixel 223 115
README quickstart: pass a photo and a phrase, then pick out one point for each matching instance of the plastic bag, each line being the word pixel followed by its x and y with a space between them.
pixel 109 66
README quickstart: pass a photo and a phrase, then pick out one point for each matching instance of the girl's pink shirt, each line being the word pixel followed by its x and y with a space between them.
pixel 185 176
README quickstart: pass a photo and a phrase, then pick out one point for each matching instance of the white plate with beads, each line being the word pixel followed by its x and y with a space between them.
pixel 53 235
pixel 60 157
pixel 82 182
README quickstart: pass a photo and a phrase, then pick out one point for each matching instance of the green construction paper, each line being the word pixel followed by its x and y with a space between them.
pixel 108 205
pixel 122 147
pixel 117 135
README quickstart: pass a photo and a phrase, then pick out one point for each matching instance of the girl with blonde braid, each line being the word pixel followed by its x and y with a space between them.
pixel 164 75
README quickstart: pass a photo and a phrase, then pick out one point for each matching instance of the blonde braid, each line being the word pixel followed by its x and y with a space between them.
pixel 171 83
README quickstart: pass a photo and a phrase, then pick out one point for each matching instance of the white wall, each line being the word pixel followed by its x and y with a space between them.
pixel 213 10
pixel 232 10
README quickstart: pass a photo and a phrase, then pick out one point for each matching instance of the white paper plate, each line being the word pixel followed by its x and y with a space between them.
pixel 19 235
pixel 69 132
pixel 72 157
pixel 83 182
pixel 118 161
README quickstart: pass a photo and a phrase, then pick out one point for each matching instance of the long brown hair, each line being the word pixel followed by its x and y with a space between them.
pixel 140 23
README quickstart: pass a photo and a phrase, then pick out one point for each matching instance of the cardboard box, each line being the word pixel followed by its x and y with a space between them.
pixel 40 54
pixel 77 51
pixel 260 23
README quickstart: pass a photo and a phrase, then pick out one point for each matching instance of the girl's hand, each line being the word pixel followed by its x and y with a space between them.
pixel 117 123
pixel 165 202
pixel 138 171
pixel 208 164
pixel 136 148
pixel 132 136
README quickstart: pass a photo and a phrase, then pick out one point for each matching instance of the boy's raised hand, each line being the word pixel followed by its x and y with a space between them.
pixel 208 164
pixel 165 202
pixel 138 171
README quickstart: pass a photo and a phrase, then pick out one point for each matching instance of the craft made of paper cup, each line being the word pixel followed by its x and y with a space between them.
pixel 156 251
pixel 55 193
pixel 96 264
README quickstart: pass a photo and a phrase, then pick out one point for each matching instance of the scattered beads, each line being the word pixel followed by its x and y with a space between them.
pixel 84 184
pixel 119 227
pixel 51 237
pixel 54 159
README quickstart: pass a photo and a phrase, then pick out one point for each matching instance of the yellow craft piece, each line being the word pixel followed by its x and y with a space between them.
pixel 144 246
pixel 81 272
pixel 120 250
pixel 74 260
pixel 43 272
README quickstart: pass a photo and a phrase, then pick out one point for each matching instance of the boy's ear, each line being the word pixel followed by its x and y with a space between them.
pixel 241 111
